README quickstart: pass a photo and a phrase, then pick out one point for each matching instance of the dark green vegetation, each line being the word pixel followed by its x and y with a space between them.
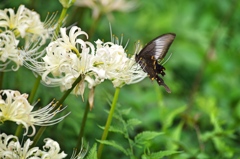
pixel 200 118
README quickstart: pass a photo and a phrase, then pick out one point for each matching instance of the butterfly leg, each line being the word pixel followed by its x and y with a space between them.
pixel 160 69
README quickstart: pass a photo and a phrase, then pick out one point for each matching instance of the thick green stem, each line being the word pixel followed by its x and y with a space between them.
pixel 84 120
pixel 1 79
pixel 19 130
pixel 34 89
pixel 59 103
pixel 108 123
pixel 60 22
pixel 30 99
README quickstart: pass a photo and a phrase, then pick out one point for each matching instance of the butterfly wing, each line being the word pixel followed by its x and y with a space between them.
pixel 158 47
pixel 150 55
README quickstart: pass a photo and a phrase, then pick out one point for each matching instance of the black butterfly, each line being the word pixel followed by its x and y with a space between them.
pixel 151 55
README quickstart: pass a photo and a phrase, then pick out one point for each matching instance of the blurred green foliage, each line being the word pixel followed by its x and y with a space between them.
pixel 200 118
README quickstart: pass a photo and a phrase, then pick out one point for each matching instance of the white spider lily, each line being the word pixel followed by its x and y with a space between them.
pixel 10 147
pixel 67 58
pixel 24 23
pixel 51 149
pixel 70 57
pixel 15 107
pixel 9 51
pixel 119 68
pixel 24 26
pixel 63 54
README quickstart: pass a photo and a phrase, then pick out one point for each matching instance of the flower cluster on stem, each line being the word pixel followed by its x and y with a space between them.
pixel 15 107
pixel 22 27
pixel 10 147
pixel 69 57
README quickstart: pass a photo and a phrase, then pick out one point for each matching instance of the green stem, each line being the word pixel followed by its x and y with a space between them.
pixel 84 120
pixel 42 129
pixel 59 103
pixel 18 131
pixel 30 99
pixel 1 79
pixel 108 123
pixel 60 22
pixel 37 82
pixel 34 89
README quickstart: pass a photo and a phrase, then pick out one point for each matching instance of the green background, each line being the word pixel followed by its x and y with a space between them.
pixel 200 117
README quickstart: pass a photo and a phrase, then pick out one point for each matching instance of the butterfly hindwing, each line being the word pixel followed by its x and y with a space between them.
pixel 150 56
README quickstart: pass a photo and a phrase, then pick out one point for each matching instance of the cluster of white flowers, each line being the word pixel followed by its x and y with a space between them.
pixel 10 148
pixel 24 26
pixel 15 107
pixel 118 67
pixel 69 57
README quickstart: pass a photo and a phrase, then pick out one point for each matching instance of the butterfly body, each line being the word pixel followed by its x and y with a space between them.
pixel 151 56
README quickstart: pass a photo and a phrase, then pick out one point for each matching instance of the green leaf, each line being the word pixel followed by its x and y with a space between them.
pixel 101 127
pixel 133 122
pixel 114 144
pixel 222 146
pixel 145 136
pixel 175 135
pixel 116 129
pixel 159 154
pixel 118 117
pixel 125 111
pixel 171 115
pixel 92 153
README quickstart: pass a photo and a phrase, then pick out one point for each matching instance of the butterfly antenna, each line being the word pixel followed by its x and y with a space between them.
pixel 167 59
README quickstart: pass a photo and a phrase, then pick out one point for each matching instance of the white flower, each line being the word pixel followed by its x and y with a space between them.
pixel 81 154
pixel 112 57
pixel 25 23
pixel 11 148
pixel 119 68
pixel 106 6
pixel 130 73
pixel 85 67
pixel 63 55
pixel 52 150
pixel 69 57
pixel 15 107
pixel 24 26
pixel 9 51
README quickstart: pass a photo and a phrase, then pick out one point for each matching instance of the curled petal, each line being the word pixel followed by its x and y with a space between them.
pixel 16 108
pixel 10 147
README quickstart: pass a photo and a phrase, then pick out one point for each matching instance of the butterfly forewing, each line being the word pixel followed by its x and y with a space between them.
pixel 158 47
pixel 152 53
